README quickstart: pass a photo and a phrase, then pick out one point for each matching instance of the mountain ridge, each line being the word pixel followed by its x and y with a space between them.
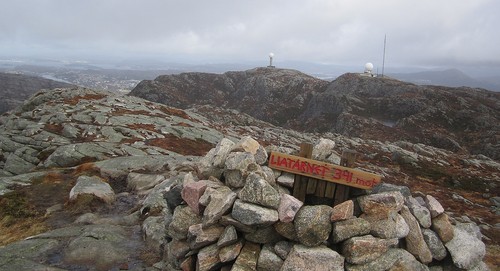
pixel 352 104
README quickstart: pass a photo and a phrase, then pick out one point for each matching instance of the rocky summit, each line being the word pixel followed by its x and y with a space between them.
pixel 91 180
pixel 456 119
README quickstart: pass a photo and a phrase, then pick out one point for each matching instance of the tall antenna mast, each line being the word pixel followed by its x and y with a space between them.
pixel 383 58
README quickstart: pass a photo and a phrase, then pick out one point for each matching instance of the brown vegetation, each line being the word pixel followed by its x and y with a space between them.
pixel 75 100
pixel 184 146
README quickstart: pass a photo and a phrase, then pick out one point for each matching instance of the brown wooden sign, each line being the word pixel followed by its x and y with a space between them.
pixel 323 171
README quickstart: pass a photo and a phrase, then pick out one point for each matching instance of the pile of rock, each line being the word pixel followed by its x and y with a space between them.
pixel 234 213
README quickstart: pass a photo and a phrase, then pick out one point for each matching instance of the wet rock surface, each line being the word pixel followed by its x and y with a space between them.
pixel 148 152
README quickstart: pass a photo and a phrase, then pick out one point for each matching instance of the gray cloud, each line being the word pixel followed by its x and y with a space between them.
pixel 425 32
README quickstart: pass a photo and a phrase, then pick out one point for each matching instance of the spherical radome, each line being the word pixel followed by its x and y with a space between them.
pixel 271 54
pixel 369 66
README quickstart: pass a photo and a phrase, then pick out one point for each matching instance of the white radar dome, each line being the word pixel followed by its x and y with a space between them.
pixel 368 66
pixel 271 54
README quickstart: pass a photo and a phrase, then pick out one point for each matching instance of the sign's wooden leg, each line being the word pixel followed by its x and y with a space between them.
pixel 301 182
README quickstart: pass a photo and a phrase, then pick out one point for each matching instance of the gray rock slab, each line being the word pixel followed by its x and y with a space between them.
pixel 343 230
pixel 466 250
pixel 303 258
pixel 253 215
pixel 93 186
pixel 312 224
pixel 257 190
pixel 268 260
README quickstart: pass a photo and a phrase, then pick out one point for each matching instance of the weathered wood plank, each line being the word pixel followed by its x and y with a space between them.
pixel 330 190
pixel 300 182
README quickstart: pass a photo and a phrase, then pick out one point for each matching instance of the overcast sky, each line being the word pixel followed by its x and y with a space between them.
pixel 449 33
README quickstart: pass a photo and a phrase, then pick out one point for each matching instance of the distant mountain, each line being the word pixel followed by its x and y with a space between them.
pixel 449 78
pixel 457 119
pixel 15 88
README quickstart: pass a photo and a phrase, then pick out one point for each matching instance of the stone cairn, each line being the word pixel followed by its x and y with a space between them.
pixel 235 213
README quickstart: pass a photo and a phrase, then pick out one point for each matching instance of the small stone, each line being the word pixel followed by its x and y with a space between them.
pixel 392 227
pixel 387 187
pixel 182 219
pixel 343 230
pixel 208 258
pixel 258 191
pixel 228 237
pixel 322 149
pixel 199 237
pixel 247 260
pixel 264 235
pixel 286 230
pixel 435 245
pixel 187 264
pixel 191 193
pixel 415 243
pixel 303 258
pixel 231 252
pixel 286 179
pixel 228 220
pixel 364 249
pixel 251 214
pixel 380 205
pixel 421 213
pixel 282 249
pixel 343 211
pixel 288 208
pixel 93 186
pixel 221 201
pixel 442 226
pixel 268 260
pixel 395 259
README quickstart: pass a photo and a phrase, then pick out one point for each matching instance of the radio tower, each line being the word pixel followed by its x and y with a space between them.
pixel 383 58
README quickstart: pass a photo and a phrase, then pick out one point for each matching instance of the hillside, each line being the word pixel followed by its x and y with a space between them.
pixel 456 119
pixel 16 88
pixel 95 181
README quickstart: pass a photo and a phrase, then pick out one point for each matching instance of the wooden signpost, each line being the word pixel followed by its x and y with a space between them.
pixel 322 179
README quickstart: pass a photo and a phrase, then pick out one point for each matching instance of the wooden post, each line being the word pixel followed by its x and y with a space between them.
pixel 300 182
pixel 342 191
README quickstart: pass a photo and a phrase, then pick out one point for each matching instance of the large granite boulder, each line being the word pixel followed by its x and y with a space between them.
pixel 312 224
pixel 466 250
pixel 94 186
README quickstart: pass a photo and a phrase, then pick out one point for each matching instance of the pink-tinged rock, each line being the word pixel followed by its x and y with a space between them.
pixel 231 252
pixel 247 260
pixel 191 194
pixel 289 206
pixel 343 211
pixel 434 206
pixel 208 258
pixel 442 226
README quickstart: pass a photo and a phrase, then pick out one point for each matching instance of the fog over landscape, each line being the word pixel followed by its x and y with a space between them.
pixel 420 34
